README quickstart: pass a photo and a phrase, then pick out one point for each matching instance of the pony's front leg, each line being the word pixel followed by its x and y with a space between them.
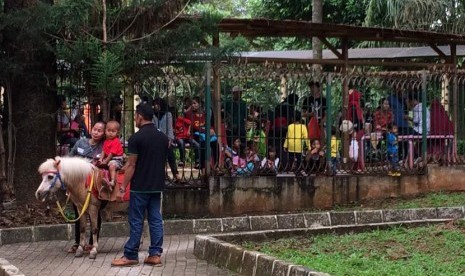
pixel 93 212
pixel 82 239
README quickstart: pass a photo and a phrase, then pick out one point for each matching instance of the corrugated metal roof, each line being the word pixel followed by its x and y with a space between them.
pixel 359 53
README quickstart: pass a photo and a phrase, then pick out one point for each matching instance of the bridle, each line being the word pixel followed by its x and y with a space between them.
pixel 57 177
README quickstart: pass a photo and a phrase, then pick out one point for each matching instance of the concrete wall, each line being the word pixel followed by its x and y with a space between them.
pixel 257 195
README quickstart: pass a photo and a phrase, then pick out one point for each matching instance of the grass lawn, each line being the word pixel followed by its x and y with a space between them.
pixel 429 250
pixel 441 199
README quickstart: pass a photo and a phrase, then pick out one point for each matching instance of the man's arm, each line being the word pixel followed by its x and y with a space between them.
pixel 129 169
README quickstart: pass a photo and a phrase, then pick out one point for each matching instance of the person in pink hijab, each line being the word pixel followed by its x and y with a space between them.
pixel 440 124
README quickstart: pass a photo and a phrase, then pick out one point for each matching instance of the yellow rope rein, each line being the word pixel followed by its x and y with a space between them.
pixel 84 208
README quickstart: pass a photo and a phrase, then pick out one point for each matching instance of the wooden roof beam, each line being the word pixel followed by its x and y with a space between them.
pixel 437 50
pixel 331 47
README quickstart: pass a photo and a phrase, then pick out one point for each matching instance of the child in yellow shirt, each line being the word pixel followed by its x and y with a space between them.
pixel 295 144
pixel 335 146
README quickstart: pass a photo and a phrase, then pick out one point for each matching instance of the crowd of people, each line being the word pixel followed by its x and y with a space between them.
pixel 289 138
pixel 292 138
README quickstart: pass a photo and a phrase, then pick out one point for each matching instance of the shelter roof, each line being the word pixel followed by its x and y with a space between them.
pixel 354 54
pixel 294 28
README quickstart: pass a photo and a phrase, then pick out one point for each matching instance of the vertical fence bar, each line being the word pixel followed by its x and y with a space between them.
pixel 424 125
pixel 329 121
pixel 209 114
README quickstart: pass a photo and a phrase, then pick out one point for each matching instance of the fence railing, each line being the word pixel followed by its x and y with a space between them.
pixel 271 120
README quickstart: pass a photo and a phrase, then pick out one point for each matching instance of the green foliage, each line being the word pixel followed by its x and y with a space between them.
pixel 106 73
pixel 461 147
pixel 432 200
pixel 435 15
pixel 225 8
pixel 334 11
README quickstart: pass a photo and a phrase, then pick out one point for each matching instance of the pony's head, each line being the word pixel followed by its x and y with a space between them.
pixel 60 173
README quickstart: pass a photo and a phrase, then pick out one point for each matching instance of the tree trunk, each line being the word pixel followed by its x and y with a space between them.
pixel 317 17
pixel 33 119
pixel 6 190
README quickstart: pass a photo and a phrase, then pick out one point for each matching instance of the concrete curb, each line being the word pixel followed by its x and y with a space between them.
pixel 7 269
pixel 238 224
pixel 221 249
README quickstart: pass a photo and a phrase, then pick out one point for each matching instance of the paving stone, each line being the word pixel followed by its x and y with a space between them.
pixel 207 226
pixel 236 224
pixel 249 263
pixel 115 229
pixel 16 235
pixel 263 223
pixel 235 258
pixel 317 219
pixel 264 265
pixel 280 268
pixel 450 213
pixel 396 215
pixel 199 246
pixel 366 217
pixel 9 270
pixel 423 213
pixel 342 218
pixel 211 247
pixel 298 270
pixel 32 259
pixel 291 221
pixel 177 227
pixel 222 254
pixel 51 232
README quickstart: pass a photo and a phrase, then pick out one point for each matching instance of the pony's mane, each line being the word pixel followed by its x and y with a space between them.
pixel 72 169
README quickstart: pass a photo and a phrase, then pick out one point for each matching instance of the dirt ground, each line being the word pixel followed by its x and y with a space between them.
pixel 39 214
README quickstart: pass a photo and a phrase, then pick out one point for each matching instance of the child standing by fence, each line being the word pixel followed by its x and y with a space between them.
pixel 295 144
pixel 392 149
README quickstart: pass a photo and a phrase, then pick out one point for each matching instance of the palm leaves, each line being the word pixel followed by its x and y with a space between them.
pixel 431 15
pixel 106 72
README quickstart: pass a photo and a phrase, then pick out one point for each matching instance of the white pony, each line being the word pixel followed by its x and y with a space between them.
pixel 71 174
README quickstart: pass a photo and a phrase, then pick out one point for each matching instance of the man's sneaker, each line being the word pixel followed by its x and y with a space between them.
pixel 153 260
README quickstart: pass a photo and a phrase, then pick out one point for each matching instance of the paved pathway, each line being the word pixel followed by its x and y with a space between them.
pixel 50 258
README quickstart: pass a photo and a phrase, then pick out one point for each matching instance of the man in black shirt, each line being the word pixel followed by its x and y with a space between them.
pixel 314 105
pixel 145 169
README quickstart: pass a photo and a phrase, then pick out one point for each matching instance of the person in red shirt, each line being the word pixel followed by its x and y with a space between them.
pixel 181 132
pixel 383 116
pixel 112 154
pixel 197 132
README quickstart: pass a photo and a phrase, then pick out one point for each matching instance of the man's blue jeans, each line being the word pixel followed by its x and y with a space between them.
pixel 139 203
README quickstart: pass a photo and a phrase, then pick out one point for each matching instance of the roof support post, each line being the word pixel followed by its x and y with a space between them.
pixel 217 99
pixel 208 97
pixel 455 96
pixel 345 95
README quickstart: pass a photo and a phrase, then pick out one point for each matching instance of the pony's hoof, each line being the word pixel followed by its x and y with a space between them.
pixel 79 252
pixel 93 254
